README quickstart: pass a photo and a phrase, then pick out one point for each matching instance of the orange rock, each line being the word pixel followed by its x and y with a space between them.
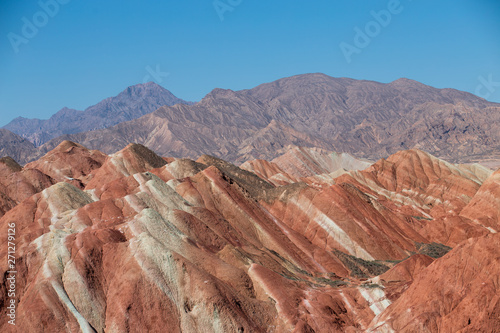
pixel 69 162
pixel 397 279
pixel 17 184
pixel 457 293
pixel 154 244
pixel 484 208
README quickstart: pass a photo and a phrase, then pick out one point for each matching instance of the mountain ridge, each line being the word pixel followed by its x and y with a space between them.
pixel 132 103
pixel 367 119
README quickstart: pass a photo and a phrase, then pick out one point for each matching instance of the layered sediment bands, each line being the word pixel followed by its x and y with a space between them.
pixel 428 181
pixel 269 171
pixel 69 162
pixel 144 243
pixel 406 270
pixel 313 166
pixel 17 184
pixel 457 293
pixel 134 158
pixel 342 217
pixel 307 162
pixel 430 193
pixel 483 208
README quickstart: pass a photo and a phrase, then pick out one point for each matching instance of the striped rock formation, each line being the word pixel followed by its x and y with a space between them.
pixel 136 242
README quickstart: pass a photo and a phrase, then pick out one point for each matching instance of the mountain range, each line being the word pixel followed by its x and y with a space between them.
pixel 308 204
pixel 367 119
pixel 132 103
pixel 312 241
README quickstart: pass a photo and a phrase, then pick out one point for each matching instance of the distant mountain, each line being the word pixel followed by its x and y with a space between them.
pixel 132 103
pixel 16 147
pixel 364 118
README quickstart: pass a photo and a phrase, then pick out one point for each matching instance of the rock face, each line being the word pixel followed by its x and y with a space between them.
pixel 366 119
pixel 136 242
pixel 132 103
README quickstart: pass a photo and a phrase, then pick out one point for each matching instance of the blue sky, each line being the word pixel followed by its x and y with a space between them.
pixel 85 51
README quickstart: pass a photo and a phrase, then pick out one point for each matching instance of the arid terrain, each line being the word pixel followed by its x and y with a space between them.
pixel 230 166
pixel 306 241
pixel 366 119
pixel 132 103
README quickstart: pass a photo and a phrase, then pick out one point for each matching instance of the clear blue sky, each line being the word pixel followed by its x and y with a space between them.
pixel 90 50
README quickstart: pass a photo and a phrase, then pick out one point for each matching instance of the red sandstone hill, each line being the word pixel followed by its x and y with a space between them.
pixel 17 184
pixel 310 242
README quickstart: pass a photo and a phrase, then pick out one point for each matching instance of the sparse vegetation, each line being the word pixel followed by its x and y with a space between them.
pixel 333 283
pixel 371 285
pixel 433 250
pixel 419 218
pixel 361 268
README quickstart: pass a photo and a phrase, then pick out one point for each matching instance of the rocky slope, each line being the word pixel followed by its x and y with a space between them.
pixel 16 147
pixel 132 103
pixel 310 165
pixel 363 118
pixel 17 184
pixel 135 242
pixel 483 208
pixel 466 279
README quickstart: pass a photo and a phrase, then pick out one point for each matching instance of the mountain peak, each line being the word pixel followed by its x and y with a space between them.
pixel 405 82
pixel 132 103
pixel 66 144
pixel 142 155
pixel 147 85
pixel 144 89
